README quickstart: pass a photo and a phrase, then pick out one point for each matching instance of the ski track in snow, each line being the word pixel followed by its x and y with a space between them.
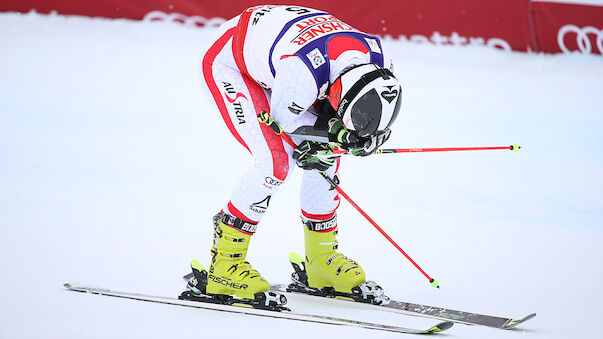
pixel 112 165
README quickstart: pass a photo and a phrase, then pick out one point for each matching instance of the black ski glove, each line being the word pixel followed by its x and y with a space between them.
pixel 358 146
pixel 311 155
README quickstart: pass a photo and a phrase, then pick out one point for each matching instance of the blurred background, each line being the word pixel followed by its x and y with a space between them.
pixel 112 164
pixel 523 25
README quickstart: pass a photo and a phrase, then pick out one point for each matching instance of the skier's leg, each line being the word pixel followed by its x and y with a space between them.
pixel 239 99
pixel 324 265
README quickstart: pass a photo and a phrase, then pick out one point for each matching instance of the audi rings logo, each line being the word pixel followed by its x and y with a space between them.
pixel 273 182
pixel 183 19
pixel 583 38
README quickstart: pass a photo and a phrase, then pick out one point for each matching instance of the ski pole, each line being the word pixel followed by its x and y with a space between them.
pixel 433 282
pixel 265 118
pixel 513 148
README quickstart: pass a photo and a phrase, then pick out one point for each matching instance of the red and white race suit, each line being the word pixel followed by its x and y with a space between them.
pixel 279 59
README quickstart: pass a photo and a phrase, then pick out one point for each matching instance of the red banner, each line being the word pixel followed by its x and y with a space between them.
pixel 510 24
pixel 564 27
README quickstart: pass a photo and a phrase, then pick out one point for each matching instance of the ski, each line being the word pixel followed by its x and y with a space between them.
pixel 372 295
pixel 419 310
pixel 248 310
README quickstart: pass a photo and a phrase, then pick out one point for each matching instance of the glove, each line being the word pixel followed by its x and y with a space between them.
pixel 339 134
pixel 368 146
pixel 352 143
pixel 311 155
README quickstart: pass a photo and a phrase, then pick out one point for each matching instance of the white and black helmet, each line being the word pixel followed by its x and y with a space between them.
pixel 367 99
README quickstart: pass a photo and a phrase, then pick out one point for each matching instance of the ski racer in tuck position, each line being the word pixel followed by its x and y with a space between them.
pixel 326 84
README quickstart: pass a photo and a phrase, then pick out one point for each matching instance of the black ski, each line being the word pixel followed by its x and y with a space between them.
pixel 419 310
pixel 246 309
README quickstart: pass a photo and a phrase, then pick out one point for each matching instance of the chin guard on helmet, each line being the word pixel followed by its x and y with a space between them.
pixel 366 98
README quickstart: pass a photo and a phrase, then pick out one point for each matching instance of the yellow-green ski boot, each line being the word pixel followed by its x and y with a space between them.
pixel 326 272
pixel 325 266
pixel 229 273
pixel 231 279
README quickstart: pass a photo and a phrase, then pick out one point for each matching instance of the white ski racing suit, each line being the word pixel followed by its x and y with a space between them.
pixel 280 59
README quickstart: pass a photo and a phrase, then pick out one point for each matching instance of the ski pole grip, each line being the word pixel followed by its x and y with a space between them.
pixel 266 119
pixel 333 183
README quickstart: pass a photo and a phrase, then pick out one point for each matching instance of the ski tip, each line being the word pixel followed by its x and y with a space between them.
pixel 440 327
pixel 67 285
pixel 512 323
pixel 514 147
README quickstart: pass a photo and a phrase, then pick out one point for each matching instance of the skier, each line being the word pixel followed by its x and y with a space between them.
pixel 325 83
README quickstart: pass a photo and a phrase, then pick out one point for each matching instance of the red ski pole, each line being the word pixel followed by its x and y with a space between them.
pixel 265 118
pixel 433 282
pixel 513 148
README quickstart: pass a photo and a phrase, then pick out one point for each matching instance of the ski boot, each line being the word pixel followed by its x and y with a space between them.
pixel 328 273
pixel 231 279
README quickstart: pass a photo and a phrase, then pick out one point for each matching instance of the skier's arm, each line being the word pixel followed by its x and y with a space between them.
pixel 348 140
pixel 293 92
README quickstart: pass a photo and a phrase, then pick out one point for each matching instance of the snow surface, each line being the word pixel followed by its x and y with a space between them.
pixel 112 166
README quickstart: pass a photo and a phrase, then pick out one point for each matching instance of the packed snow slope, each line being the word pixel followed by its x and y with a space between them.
pixel 113 163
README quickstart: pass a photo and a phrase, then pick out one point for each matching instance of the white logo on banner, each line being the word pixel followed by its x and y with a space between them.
pixel 183 19
pixel 458 40
pixel 582 38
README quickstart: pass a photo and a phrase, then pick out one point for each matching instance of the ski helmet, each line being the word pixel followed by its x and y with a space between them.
pixel 367 99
